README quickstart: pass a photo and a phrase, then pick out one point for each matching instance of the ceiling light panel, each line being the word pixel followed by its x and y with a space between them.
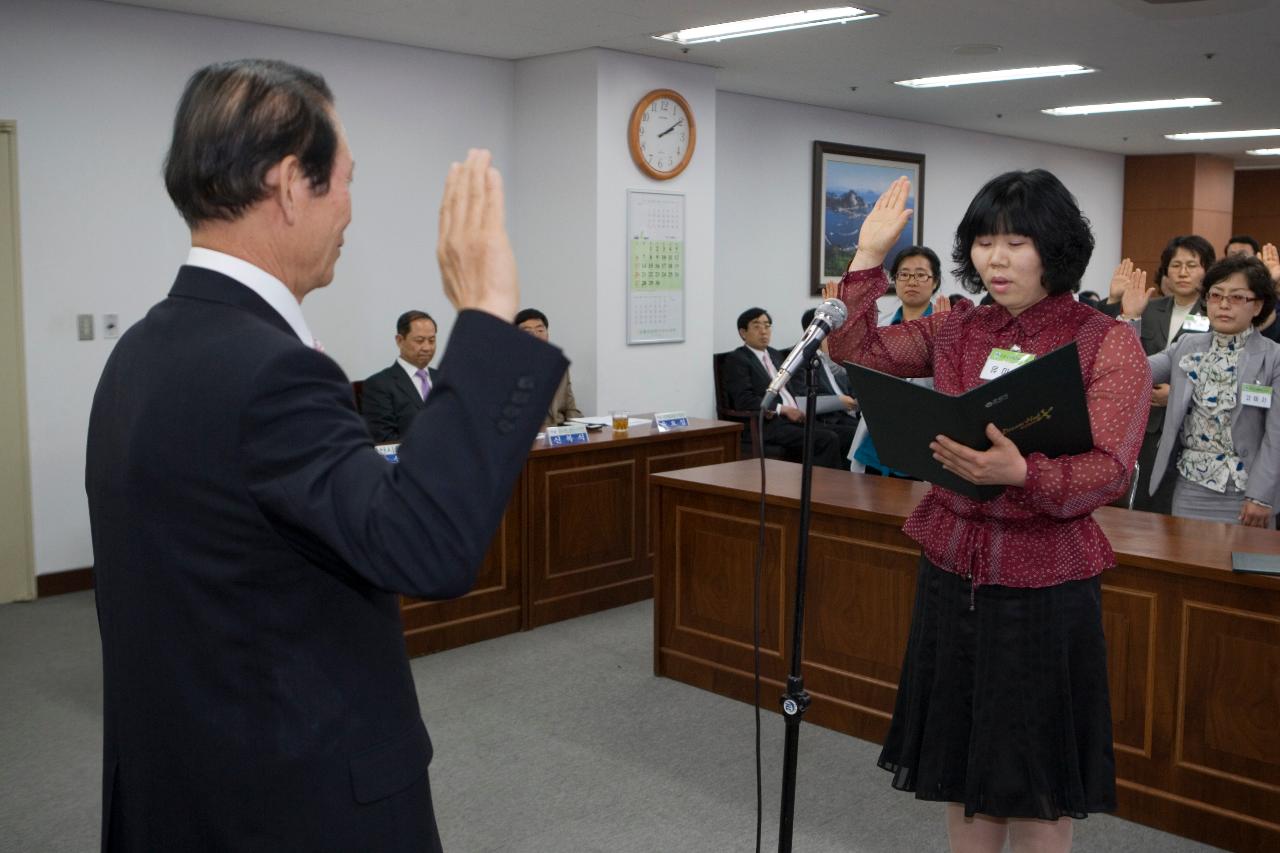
pixel 999 76
pixel 1221 134
pixel 770 24
pixel 1133 106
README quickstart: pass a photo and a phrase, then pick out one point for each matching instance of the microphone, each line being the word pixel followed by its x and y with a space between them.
pixel 828 317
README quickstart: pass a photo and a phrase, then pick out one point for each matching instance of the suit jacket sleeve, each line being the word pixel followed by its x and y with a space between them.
pixel 570 409
pixel 378 407
pixel 1264 474
pixel 739 384
pixel 420 527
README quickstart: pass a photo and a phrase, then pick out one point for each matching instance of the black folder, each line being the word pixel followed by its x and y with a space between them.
pixel 1040 406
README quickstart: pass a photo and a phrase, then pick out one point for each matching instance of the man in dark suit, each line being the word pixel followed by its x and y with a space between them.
pixel 249 543
pixel 392 397
pixel 749 369
pixel 837 409
pixel 1165 319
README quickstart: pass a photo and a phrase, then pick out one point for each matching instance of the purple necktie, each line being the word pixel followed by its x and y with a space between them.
pixel 424 382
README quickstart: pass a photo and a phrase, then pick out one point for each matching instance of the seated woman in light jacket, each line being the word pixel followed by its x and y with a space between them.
pixel 1221 437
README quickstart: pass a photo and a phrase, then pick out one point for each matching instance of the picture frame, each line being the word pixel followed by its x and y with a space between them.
pixel 847 180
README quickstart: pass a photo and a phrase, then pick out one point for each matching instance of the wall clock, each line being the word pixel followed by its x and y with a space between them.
pixel 662 134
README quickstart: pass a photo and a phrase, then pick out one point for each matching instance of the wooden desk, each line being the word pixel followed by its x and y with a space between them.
pixel 1193 649
pixel 573 539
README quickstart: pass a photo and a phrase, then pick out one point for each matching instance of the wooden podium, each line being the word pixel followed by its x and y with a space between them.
pixel 1193 649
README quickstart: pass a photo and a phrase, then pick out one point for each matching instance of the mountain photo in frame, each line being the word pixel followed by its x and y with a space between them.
pixel 847 180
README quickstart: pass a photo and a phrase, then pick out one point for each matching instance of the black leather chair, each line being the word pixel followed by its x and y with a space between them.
pixel 750 447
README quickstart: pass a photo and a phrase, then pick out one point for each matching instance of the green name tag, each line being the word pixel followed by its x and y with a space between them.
pixel 1001 361
pixel 1257 395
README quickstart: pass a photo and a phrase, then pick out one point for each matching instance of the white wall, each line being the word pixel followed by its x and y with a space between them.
pixel 655 377
pixel 553 204
pixel 764 166
pixel 93 87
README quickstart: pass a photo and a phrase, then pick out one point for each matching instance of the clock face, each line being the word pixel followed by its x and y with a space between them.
pixel 662 136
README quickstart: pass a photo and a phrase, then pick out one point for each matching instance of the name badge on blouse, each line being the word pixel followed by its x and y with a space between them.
pixel 1195 323
pixel 1257 395
pixel 1001 361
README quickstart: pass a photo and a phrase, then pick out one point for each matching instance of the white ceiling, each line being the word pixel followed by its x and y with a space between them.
pixel 1228 50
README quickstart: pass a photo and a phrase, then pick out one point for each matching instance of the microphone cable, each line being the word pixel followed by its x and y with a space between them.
pixel 755 629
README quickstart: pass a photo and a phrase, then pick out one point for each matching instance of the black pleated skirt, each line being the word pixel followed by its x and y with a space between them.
pixel 1004 708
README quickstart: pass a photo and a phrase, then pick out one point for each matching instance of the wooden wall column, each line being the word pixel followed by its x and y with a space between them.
pixel 1168 195
pixel 1257 205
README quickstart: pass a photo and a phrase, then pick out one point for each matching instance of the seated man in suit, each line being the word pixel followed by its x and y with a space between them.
pixel 393 396
pixel 563 407
pixel 747 373
pixel 837 409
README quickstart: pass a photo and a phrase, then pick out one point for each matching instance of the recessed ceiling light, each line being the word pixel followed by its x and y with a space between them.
pixel 1265 152
pixel 1131 106
pixel 995 76
pixel 770 24
pixel 1222 134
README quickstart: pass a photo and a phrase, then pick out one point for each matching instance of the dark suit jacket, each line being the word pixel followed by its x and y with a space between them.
pixel 249 544
pixel 1154 334
pixel 390 400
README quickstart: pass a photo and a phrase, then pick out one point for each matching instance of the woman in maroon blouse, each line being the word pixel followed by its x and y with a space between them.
pixel 1002 708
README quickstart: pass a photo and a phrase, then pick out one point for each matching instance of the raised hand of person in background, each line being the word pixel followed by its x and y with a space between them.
pixel 477 265
pixel 883 225
pixel 1120 281
pixel 941 304
pixel 1136 295
pixel 1271 259
pixel 831 290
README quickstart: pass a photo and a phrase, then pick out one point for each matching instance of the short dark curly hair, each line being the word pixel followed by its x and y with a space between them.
pixel 234 122
pixel 1256 276
pixel 1035 205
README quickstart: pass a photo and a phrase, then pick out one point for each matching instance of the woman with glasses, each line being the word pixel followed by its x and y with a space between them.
pixel 917 274
pixel 1002 709
pixel 1182 311
pixel 1221 439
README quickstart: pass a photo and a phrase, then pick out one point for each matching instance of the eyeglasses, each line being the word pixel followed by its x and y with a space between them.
pixel 919 277
pixel 1189 266
pixel 1236 299
pixel 760 324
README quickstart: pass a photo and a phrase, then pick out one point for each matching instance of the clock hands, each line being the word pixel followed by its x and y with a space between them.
pixel 669 129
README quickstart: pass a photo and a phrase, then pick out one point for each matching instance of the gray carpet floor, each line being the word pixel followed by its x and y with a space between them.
pixel 558 740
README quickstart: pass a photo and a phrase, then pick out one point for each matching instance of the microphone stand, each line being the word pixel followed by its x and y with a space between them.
pixel 796 701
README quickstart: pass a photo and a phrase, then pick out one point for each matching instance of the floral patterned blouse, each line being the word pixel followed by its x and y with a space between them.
pixel 1041 533
pixel 1208 456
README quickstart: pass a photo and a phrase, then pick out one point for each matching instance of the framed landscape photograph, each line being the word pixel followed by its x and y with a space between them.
pixel 847 180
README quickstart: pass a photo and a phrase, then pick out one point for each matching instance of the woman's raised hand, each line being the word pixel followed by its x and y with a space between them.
pixel 882 226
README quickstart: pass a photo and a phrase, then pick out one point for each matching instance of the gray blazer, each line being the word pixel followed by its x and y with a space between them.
pixel 1255 432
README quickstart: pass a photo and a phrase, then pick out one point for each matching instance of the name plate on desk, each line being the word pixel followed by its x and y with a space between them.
pixel 570 434
pixel 390 452
pixel 670 420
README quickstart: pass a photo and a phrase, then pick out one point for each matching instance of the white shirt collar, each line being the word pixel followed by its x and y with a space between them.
pixel 411 369
pixel 261 282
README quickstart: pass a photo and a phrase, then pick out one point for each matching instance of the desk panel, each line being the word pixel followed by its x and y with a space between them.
pixel 1193 648
pixel 573 539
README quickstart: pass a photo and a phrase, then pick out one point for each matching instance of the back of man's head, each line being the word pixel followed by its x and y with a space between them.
pixel 807 317
pixel 234 122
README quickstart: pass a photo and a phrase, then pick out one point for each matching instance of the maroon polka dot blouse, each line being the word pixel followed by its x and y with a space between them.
pixel 1042 533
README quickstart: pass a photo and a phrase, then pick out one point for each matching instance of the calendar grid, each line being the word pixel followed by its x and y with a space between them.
pixel 655 267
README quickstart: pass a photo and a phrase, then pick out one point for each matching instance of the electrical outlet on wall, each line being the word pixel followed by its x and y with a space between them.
pixel 84 326
pixel 110 325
